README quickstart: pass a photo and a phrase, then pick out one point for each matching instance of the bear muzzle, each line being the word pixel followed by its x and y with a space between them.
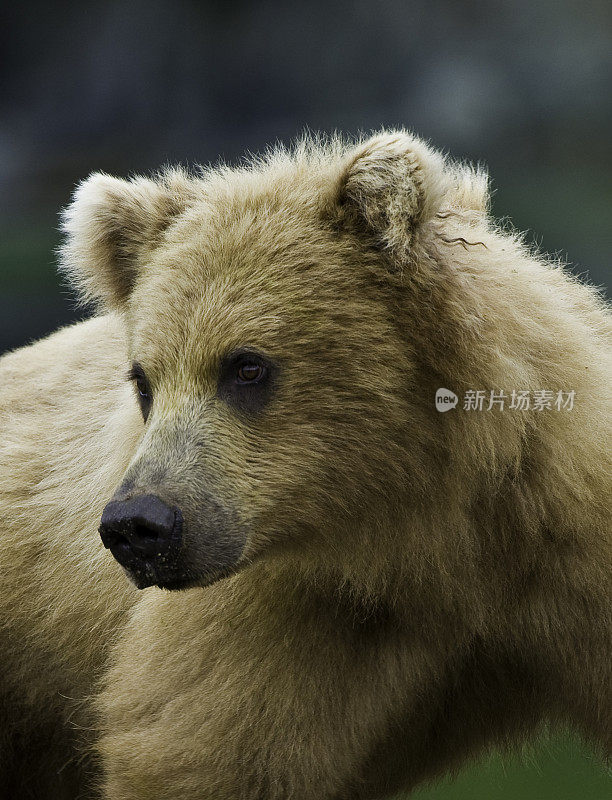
pixel 144 534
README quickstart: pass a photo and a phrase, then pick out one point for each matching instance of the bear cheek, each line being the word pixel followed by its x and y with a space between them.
pixel 214 542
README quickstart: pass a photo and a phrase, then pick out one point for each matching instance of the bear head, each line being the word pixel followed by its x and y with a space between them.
pixel 267 310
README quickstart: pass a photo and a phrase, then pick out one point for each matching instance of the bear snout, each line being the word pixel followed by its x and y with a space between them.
pixel 144 535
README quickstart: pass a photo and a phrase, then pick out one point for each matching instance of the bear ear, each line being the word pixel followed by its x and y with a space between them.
pixel 390 185
pixel 108 226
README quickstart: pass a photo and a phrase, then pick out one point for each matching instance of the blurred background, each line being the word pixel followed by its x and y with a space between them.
pixel 524 86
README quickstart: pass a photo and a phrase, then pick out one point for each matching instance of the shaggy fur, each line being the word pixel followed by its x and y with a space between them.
pixel 415 586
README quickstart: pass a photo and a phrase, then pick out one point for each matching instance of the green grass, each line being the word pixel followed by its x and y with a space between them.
pixel 559 769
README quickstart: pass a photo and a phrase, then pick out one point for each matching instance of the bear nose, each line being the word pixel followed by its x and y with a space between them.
pixel 142 528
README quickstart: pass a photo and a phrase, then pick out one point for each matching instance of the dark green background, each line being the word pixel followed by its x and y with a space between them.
pixel 523 86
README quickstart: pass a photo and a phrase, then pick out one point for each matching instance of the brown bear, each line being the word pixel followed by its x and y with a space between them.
pixel 346 591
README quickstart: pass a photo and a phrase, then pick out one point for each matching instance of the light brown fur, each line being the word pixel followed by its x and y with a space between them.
pixel 415 586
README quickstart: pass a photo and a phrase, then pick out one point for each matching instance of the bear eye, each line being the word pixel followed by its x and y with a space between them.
pixel 250 373
pixel 143 390
pixel 246 380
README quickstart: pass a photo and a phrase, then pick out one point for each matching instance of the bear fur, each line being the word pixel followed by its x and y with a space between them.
pixel 412 588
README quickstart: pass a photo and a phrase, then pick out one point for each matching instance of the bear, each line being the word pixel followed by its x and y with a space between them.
pixel 244 555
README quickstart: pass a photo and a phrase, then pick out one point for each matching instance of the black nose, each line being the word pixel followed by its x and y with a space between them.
pixel 141 531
